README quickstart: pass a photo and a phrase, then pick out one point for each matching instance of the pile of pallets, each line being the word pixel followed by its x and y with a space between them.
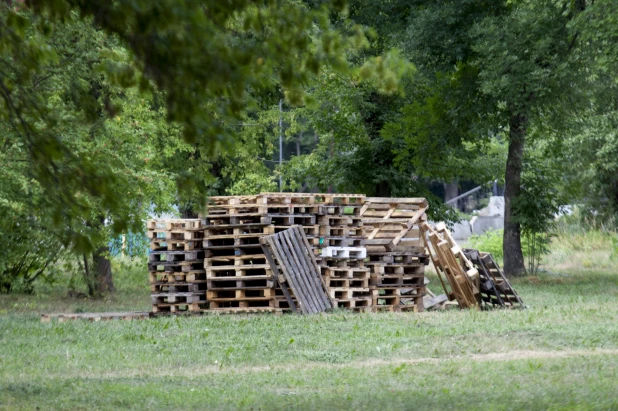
pixel 395 252
pixel 239 278
pixel 176 265
pixel 397 280
pixel 379 268
pixel 343 253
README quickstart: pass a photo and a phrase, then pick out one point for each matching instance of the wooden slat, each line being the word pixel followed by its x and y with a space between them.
pixel 277 276
pixel 313 289
pixel 304 283
pixel 393 200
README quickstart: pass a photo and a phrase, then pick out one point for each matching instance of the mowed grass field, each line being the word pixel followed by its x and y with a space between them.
pixel 560 353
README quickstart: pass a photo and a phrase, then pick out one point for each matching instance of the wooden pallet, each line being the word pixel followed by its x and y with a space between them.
pixel 243 310
pixel 453 267
pixel 402 257
pixel 177 308
pixel 235 230
pixel 106 316
pixel 236 260
pixel 389 221
pixel 189 277
pixel 291 258
pixel 315 198
pixel 178 287
pixel 495 289
pixel 175 256
pixel 175 224
pixel 344 252
pixel 157 244
pixel 178 298
pixel 162 234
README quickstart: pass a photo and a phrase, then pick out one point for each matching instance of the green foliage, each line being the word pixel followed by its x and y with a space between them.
pixel 489 242
pixel 195 66
pixel 534 246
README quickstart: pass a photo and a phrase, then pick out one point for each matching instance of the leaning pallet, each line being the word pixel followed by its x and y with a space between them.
pixel 176 259
pixel 291 258
pixel 452 266
pixel 495 289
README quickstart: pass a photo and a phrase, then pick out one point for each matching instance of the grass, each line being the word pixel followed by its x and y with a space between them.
pixel 561 353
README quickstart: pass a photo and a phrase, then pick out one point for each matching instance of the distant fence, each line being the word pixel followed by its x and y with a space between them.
pixel 131 245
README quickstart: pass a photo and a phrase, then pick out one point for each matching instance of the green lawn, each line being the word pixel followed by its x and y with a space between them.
pixel 561 353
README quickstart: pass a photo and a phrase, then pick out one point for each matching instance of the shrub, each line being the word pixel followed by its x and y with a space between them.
pixel 489 242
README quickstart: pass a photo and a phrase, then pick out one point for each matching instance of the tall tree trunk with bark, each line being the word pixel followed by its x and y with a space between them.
pixel 103 270
pixel 513 256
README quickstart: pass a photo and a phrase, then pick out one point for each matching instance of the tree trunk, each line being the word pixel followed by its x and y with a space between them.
pixel 88 277
pixel 451 190
pixel 514 264
pixel 383 189
pixel 103 270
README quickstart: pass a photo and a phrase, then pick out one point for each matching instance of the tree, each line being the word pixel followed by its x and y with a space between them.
pixel 207 58
pixel 127 149
pixel 499 66
pixel 96 95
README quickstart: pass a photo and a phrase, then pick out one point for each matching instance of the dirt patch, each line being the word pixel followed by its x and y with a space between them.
pixel 239 369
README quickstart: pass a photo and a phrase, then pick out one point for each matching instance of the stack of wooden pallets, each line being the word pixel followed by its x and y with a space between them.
pixel 395 248
pixel 379 267
pixel 176 260
pixel 239 278
pixel 397 280
pixel 343 253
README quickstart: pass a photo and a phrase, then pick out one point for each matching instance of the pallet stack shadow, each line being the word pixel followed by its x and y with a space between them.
pixel 396 252
pixel 239 277
pixel 176 265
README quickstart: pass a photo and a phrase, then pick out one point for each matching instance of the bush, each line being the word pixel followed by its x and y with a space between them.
pixel 533 246
pixel 489 242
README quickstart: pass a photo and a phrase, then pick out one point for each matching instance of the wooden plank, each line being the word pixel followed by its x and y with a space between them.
pixel 313 270
pixel 312 287
pixel 306 287
pixel 400 200
pixel 289 271
pixel 282 284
